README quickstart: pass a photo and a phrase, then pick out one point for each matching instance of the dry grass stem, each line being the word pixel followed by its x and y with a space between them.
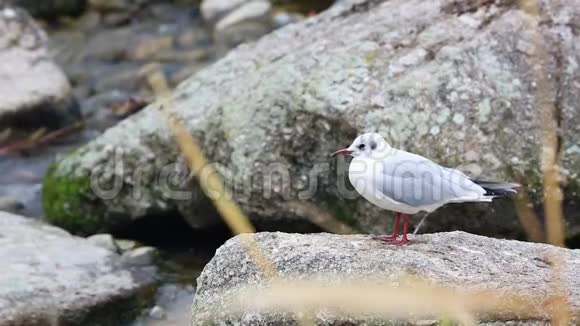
pixel 527 217
pixel 374 299
pixel 211 185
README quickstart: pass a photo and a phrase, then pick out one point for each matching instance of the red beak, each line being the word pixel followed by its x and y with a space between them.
pixel 343 152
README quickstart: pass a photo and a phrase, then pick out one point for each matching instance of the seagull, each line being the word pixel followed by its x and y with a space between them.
pixel 408 183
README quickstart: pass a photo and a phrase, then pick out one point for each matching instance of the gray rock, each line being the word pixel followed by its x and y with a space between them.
pixel 454 259
pixel 214 10
pixel 49 275
pixel 140 257
pixel 246 23
pixel 38 93
pixel 126 245
pixel 257 10
pixel 117 5
pixel 157 313
pixel 9 204
pixel 105 241
pixel 435 78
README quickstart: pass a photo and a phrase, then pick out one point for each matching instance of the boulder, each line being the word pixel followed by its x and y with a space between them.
pixel 49 276
pixel 35 92
pixel 449 80
pixel 451 260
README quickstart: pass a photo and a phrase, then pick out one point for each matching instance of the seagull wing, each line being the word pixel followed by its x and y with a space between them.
pixel 418 182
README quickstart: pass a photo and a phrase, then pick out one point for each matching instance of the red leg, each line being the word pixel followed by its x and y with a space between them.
pixel 405 230
pixel 395 231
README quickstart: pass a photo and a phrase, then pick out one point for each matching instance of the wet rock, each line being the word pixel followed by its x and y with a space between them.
pixel 298 94
pixel 143 256
pixel 9 204
pixel 157 313
pixel 117 5
pixel 51 9
pixel 126 245
pixel 213 10
pixel 454 259
pixel 245 23
pixel 49 275
pixel 38 93
pixel 105 241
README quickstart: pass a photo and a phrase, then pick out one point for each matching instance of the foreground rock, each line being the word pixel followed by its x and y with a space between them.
pixel 50 277
pixel 454 259
pixel 35 92
pixel 450 80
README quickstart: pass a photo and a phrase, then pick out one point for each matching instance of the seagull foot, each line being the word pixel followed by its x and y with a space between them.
pixel 399 243
pixel 385 238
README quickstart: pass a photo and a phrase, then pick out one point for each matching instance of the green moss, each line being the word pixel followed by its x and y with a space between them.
pixel 67 204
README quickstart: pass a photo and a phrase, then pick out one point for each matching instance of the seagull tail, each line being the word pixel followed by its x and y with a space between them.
pixel 497 189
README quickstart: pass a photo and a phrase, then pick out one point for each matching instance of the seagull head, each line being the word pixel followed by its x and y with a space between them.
pixel 368 145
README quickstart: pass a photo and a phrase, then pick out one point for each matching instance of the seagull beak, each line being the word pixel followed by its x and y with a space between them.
pixel 343 152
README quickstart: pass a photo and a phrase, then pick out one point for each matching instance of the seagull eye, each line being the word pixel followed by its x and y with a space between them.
pixel 361 146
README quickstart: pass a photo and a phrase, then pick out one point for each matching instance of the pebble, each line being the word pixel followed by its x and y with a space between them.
pixel 105 241
pixel 143 256
pixel 157 313
pixel 126 245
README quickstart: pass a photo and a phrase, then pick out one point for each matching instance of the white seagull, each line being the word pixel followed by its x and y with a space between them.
pixel 408 183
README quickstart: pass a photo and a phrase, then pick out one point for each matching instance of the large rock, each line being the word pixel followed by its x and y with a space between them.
pixel 34 92
pixel 50 277
pixel 450 80
pixel 454 260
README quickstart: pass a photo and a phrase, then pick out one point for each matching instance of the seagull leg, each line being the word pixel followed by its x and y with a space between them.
pixel 387 238
pixel 405 230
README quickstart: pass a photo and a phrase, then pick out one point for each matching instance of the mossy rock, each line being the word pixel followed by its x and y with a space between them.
pixel 68 203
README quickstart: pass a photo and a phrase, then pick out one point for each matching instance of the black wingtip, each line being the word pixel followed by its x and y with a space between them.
pixel 498 188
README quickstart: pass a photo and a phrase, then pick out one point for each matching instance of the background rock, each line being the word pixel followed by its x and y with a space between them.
pixel 50 276
pixel 445 81
pixel 246 23
pixel 454 259
pixel 213 10
pixel 37 92
pixel 236 22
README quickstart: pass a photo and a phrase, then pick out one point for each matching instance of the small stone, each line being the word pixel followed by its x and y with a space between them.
pixel 213 10
pixel 258 11
pixel 105 241
pixel 157 313
pixel 143 256
pixel 126 245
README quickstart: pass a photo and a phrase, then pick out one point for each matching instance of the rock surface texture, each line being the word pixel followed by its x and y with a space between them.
pixel 451 80
pixel 34 91
pixel 453 259
pixel 50 277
